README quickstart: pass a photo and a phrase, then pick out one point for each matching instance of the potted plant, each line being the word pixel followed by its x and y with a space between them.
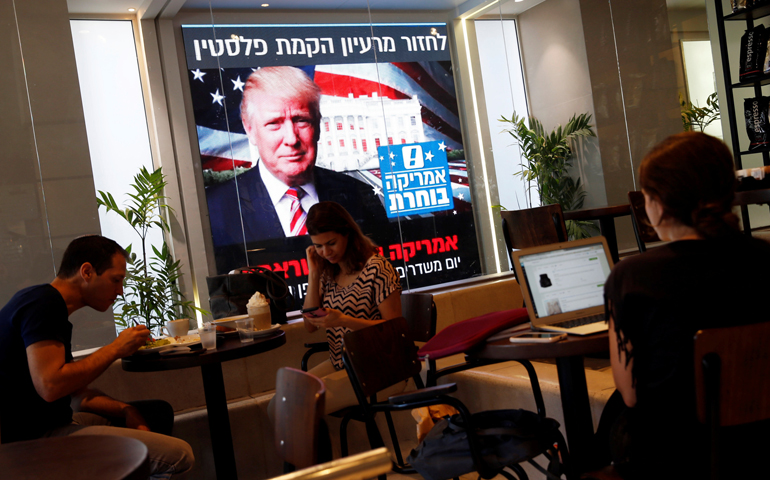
pixel 695 118
pixel 548 157
pixel 151 294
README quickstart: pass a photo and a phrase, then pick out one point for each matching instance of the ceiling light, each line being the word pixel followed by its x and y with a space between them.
pixel 131 9
pixel 433 31
pixel 265 4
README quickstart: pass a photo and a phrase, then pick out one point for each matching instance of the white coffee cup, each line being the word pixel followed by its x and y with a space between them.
pixel 177 328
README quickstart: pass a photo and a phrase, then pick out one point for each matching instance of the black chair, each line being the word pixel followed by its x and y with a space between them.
pixel 532 227
pixel 419 309
pixel 732 367
pixel 643 231
pixel 299 408
pixel 750 197
pixel 384 354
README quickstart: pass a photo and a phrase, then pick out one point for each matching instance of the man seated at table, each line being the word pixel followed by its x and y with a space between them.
pixel 41 382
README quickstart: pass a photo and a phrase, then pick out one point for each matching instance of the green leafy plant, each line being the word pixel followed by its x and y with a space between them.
pixel 695 118
pixel 548 157
pixel 151 294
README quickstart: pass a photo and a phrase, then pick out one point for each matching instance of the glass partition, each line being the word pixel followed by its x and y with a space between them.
pixel 47 191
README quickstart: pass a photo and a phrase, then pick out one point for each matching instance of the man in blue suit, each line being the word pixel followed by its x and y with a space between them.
pixel 281 116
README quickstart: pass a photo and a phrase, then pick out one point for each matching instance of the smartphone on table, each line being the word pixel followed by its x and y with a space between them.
pixel 537 337
pixel 314 312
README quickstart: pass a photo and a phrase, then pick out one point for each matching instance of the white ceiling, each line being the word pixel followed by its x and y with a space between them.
pixel 122 6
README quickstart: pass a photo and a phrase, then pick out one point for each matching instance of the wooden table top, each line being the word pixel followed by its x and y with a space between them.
pixel 598 212
pixel 78 457
pixel 228 348
pixel 574 345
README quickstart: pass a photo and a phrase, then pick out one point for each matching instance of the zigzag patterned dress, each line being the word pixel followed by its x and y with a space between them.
pixel 360 299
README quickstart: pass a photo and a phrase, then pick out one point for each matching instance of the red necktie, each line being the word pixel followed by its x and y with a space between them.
pixel 297 225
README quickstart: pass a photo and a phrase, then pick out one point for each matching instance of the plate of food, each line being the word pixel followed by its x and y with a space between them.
pixel 157 345
pixel 227 324
pixel 187 340
pixel 267 331
pixel 166 343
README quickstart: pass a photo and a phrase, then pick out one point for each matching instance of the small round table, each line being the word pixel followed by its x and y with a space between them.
pixel 210 361
pixel 77 457
pixel 572 381
pixel 606 217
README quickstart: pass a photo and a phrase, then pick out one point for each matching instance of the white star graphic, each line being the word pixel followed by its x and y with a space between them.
pixel 377 190
pixel 382 158
pixel 392 164
pixel 429 156
pixel 442 146
pixel 461 196
pixel 198 75
pixel 237 84
pixel 392 155
pixel 217 97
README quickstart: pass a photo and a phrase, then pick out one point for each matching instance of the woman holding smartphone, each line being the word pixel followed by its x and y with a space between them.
pixel 350 286
pixel 708 275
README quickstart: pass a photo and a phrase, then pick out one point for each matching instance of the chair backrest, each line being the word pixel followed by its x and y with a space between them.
pixel 532 227
pixel 419 310
pixel 643 231
pixel 738 360
pixel 299 406
pixel 379 356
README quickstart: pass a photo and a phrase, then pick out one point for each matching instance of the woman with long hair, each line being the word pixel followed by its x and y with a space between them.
pixel 708 275
pixel 352 286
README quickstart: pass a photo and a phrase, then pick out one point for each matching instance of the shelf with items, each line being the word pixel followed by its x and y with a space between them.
pixel 751 83
pixel 751 13
pixel 729 106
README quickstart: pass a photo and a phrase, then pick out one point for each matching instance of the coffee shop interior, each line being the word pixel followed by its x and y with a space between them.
pixel 95 91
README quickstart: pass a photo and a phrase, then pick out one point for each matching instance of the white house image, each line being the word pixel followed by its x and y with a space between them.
pixel 352 129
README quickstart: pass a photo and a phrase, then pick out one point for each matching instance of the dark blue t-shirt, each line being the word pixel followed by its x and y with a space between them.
pixel 34 314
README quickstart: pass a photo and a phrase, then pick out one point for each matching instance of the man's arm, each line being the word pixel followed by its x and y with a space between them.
pixel 95 401
pixel 54 378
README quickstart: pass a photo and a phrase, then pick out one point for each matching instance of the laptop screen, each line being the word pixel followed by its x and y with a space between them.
pixel 564 280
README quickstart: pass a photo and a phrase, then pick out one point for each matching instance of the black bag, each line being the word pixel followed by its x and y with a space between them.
pixel 229 294
pixel 506 437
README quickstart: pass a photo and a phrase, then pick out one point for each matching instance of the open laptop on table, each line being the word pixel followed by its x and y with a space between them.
pixel 563 285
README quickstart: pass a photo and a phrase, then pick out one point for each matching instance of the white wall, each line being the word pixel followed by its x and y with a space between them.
pixel 116 120
pixel 503 83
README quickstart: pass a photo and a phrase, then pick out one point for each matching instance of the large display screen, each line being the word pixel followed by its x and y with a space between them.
pixel 386 143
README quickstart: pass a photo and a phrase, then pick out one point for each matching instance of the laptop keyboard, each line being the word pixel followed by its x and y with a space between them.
pixel 578 322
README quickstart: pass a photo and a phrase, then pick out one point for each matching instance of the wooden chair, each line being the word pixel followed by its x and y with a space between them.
pixel 382 355
pixel 643 231
pixel 532 227
pixel 732 368
pixel 299 407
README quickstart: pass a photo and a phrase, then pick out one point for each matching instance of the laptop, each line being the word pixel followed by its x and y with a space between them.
pixel 563 285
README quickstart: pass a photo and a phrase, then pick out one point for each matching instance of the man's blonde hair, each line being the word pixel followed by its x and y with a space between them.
pixel 282 82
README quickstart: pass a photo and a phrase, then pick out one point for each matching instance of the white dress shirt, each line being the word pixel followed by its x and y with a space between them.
pixel 277 191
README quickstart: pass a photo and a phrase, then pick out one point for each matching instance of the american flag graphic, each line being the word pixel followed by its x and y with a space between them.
pixel 216 96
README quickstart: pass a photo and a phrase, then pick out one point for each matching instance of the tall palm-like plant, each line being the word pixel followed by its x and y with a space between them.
pixel 548 157
pixel 151 294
